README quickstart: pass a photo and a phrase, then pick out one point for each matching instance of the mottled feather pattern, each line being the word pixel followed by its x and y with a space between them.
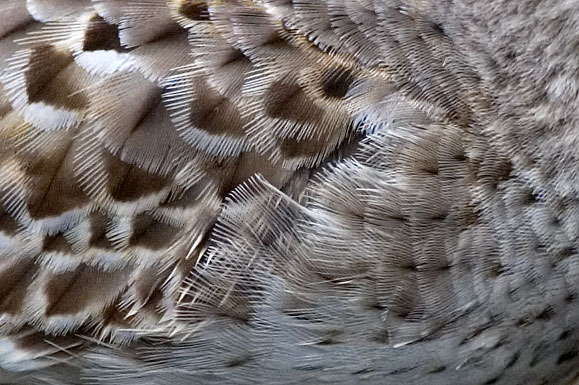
pixel 289 192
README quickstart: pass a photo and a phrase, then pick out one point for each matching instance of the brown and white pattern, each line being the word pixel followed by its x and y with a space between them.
pixel 289 192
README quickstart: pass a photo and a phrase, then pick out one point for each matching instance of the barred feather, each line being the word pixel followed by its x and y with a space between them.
pixel 288 191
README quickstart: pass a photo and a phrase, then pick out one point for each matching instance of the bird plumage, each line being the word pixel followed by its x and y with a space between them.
pixel 288 191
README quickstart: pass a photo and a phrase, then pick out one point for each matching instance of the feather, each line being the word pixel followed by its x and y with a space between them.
pixel 288 191
pixel 14 15
pixel 55 9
